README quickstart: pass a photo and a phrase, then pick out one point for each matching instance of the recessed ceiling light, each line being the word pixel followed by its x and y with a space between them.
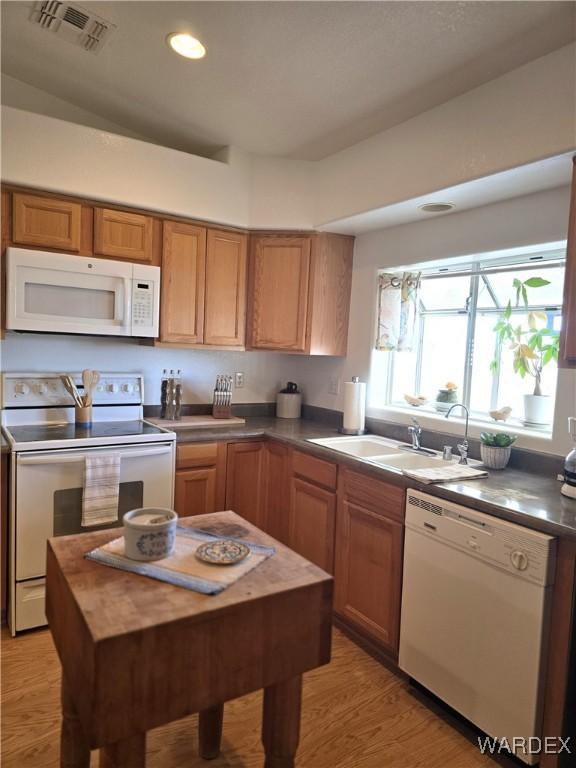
pixel 186 45
pixel 436 207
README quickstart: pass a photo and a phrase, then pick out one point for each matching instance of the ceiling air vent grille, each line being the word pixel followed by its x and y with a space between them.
pixel 73 23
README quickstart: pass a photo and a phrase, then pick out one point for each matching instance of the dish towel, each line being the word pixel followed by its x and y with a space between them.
pixel 101 489
pixel 183 568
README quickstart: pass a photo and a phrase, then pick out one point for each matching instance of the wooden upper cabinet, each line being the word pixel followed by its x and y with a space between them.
pixel 299 292
pixel 123 235
pixel 280 276
pixel 225 294
pixel 183 277
pixel 568 337
pixel 46 222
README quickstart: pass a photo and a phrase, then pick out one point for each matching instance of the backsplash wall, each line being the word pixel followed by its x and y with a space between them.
pixel 264 372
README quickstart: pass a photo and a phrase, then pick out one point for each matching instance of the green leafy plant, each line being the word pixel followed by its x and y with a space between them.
pixel 535 346
pixel 497 439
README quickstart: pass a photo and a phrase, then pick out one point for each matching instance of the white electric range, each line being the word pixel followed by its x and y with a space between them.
pixel 47 469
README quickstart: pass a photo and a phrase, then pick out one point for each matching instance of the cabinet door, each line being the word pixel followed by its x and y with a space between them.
pixel 312 523
pixel 46 222
pixel 123 235
pixel 195 491
pixel 225 299
pixel 568 336
pixel 277 491
pixel 244 480
pixel 183 270
pixel 279 281
pixel 369 572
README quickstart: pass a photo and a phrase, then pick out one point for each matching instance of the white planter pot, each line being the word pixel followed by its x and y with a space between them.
pixel 538 409
pixel 494 457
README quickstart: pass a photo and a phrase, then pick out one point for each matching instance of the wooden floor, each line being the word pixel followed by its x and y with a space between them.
pixel 356 714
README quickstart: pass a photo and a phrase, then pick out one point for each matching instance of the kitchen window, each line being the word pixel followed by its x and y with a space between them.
pixel 456 344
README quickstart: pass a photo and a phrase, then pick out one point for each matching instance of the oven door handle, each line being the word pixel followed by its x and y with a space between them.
pixel 50 458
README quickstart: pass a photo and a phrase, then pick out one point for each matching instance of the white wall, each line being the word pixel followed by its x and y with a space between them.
pixel 16 93
pixel 537 218
pixel 264 372
pixel 521 117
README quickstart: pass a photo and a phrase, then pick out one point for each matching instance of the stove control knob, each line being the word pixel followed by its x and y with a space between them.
pixel 127 388
pixel 112 388
pixel 41 389
pixel 20 388
pixel 519 560
pixel 100 388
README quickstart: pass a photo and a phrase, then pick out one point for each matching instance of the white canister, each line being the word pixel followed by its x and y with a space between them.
pixel 288 405
pixel 149 533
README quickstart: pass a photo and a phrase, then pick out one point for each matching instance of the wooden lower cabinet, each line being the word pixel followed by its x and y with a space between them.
pixel 368 569
pixel 200 478
pixel 245 465
pixel 312 522
pixel 277 491
pixel 195 491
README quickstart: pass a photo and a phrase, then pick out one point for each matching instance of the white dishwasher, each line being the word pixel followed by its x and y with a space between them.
pixel 475 605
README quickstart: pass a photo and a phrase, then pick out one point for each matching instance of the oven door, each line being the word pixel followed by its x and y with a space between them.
pixel 49 486
pixel 60 293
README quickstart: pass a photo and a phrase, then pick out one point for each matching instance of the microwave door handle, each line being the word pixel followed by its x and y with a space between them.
pixel 49 458
pixel 127 306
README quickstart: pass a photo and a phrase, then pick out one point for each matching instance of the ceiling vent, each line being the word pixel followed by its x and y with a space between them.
pixel 73 23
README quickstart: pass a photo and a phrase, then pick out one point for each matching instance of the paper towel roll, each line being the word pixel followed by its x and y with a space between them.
pixel 354 404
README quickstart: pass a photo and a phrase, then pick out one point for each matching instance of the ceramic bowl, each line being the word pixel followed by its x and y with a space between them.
pixel 149 533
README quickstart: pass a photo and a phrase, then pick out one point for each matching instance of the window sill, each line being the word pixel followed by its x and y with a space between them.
pixel 436 422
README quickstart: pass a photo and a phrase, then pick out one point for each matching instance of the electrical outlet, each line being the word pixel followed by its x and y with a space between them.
pixel 239 380
pixel 334 385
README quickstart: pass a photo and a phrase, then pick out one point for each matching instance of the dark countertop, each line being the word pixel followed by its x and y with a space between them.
pixel 511 494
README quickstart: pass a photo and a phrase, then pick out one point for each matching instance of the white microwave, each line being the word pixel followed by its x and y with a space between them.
pixel 59 293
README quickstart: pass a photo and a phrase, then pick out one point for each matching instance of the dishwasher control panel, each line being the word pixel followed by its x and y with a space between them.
pixel 526 553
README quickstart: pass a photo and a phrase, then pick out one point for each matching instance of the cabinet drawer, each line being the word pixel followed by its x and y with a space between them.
pixel 123 235
pixel 196 455
pixel 46 222
pixel 381 497
pixel 317 470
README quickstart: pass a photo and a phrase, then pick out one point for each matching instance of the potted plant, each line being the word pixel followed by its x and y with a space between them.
pixel 534 347
pixel 495 449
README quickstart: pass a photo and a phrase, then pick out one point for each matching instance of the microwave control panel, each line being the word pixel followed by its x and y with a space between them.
pixel 143 303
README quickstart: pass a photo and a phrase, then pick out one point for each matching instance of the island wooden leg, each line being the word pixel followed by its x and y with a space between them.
pixel 210 731
pixel 281 722
pixel 74 749
pixel 128 753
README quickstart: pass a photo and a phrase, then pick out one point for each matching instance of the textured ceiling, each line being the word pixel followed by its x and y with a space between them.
pixel 295 79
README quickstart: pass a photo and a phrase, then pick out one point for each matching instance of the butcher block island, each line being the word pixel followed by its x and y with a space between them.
pixel 137 653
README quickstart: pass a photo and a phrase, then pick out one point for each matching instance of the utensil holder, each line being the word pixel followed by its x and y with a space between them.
pixel 84 416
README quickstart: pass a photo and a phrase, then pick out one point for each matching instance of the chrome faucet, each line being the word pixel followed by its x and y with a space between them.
pixel 462 447
pixel 415 433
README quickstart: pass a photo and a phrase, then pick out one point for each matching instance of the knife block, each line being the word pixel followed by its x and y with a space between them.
pixel 221 405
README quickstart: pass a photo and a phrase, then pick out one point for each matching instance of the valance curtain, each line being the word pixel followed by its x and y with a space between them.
pixel 397 310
